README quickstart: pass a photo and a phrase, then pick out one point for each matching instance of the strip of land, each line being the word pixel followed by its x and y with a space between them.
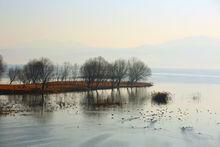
pixel 67 86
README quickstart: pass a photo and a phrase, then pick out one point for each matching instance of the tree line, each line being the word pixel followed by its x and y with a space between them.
pixel 94 70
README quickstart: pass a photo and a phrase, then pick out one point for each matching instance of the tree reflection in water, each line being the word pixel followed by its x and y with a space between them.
pixel 95 100
pixel 89 101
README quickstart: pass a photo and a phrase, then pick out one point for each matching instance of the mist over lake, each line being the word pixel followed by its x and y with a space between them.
pixel 109 73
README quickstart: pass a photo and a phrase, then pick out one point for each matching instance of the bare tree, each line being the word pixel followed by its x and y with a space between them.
pixel 94 70
pixel 13 73
pixel 2 66
pixel 46 71
pixel 22 78
pixel 112 74
pixel 137 70
pixel 31 71
pixel 120 70
pixel 103 74
pixel 88 72
pixel 37 71
pixel 75 71
pixel 57 72
pixel 65 71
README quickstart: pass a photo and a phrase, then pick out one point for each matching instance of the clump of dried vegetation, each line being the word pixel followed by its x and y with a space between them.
pixel 161 98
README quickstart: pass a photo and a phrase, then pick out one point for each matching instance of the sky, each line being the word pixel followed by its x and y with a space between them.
pixel 107 23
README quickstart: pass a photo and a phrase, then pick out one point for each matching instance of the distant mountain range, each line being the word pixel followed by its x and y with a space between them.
pixel 192 52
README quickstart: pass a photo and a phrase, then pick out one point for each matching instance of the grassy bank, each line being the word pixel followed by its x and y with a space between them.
pixel 56 87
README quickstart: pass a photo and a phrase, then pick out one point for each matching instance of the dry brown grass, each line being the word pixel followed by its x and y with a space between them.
pixel 59 86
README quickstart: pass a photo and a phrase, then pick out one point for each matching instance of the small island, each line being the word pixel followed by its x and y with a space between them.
pixel 42 76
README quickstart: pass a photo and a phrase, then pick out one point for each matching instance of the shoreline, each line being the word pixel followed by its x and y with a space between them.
pixel 63 86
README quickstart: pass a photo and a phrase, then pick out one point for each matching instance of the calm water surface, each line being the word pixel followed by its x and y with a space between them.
pixel 119 118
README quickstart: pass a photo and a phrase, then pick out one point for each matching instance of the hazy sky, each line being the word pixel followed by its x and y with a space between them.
pixel 107 23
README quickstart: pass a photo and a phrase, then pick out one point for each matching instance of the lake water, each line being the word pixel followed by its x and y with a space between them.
pixel 120 118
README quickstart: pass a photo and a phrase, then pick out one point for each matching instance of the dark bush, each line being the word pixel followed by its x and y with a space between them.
pixel 161 98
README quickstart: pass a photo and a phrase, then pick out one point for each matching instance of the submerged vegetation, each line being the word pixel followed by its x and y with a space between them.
pixel 161 98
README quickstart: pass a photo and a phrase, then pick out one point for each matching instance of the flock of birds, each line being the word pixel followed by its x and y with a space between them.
pixel 150 118
pixel 147 116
